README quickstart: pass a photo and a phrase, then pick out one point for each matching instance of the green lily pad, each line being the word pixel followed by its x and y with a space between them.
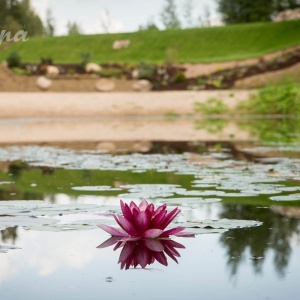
pixel 291 197
pixel 221 224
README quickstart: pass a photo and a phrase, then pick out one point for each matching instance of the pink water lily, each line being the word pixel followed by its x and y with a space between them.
pixel 144 221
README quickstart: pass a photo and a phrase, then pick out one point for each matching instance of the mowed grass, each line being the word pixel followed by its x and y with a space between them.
pixel 215 44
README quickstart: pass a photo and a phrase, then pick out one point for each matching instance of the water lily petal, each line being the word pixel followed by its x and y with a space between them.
pixel 154 245
pixel 169 218
pixel 133 205
pixel 142 256
pixel 172 231
pixel 126 252
pixel 113 231
pixel 160 208
pixel 143 205
pixel 150 208
pixel 152 233
pixel 109 242
pixel 158 219
pixel 127 213
pixel 160 257
pixel 142 221
pixel 126 225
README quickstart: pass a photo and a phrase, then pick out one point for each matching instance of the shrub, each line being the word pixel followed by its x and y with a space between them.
pixel 86 57
pixel 116 73
pixel 146 71
pixel 14 60
pixel 21 71
pixel 179 77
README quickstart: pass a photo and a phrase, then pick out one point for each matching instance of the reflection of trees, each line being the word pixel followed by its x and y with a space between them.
pixel 9 235
pixel 274 235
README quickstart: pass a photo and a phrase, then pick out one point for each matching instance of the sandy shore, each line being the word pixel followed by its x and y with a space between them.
pixel 41 105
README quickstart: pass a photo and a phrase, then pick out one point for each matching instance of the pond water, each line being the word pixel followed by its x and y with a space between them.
pixel 241 199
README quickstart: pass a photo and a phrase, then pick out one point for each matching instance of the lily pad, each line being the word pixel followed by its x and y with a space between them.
pixel 291 197
pixel 95 188
pixel 189 201
pixel 12 221
pixel 221 224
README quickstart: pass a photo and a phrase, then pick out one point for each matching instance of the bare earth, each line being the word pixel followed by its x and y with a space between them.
pixel 41 105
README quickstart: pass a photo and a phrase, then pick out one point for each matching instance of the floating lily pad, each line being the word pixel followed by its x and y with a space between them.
pixel 189 201
pixel 72 226
pixel 221 224
pixel 95 188
pixel 12 221
pixel 291 197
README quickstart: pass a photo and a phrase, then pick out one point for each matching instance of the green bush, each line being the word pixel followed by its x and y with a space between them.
pixel 146 71
pixel 14 60
pixel 280 99
pixel 179 77
pixel 21 71
pixel 116 73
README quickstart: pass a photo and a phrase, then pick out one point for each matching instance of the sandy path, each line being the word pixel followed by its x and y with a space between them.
pixel 40 105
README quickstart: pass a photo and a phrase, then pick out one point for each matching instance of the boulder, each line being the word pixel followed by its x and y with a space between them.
pixel 135 74
pixel 105 85
pixel 119 44
pixel 52 70
pixel 92 68
pixel 289 14
pixel 142 85
pixel 44 83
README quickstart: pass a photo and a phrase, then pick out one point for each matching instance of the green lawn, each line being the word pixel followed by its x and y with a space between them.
pixel 233 42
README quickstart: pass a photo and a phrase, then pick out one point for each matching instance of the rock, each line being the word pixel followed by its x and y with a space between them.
pixel 44 83
pixel 135 74
pixel 105 85
pixel 92 68
pixel 289 14
pixel 119 44
pixel 142 85
pixel 52 70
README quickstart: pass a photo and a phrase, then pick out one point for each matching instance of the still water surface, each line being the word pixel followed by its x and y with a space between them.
pixel 260 184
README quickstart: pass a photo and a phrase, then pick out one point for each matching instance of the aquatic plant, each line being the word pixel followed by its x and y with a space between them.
pixel 144 221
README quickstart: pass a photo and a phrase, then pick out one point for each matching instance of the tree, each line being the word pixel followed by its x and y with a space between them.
pixel 244 11
pixel 150 25
pixel 50 23
pixel 204 19
pixel 169 16
pixel 188 9
pixel 73 28
pixel 16 15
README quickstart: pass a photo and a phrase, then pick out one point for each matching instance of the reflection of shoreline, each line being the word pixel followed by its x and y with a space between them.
pixel 113 129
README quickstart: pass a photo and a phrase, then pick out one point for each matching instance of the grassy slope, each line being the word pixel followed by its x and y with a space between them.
pixel 234 42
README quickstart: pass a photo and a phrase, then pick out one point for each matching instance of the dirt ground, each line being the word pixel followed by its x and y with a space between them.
pixel 117 104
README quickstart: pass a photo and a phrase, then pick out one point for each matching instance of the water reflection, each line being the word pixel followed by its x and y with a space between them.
pixel 274 237
pixel 143 252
